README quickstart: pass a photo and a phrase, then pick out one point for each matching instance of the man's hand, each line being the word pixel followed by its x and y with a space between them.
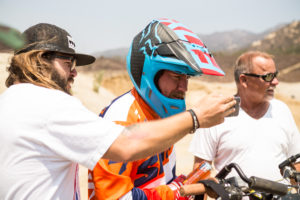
pixel 175 186
pixel 199 189
pixel 212 109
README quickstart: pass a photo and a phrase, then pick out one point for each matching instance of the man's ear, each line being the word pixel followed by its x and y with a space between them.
pixel 243 80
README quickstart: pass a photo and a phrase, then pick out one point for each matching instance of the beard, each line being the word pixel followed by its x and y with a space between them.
pixel 61 81
pixel 177 95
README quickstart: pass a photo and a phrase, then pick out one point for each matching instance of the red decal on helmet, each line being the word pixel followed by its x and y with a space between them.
pixel 166 23
pixel 182 28
pixel 213 61
pixel 194 40
pixel 200 55
pixel 173 20
pixel 211 72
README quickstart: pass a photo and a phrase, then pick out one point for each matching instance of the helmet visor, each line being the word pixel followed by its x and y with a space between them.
pixel 196 56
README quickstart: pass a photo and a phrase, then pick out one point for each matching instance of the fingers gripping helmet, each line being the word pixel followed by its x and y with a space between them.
pixel 166 45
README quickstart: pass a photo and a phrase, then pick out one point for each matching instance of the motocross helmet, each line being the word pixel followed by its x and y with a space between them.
pixel 167 45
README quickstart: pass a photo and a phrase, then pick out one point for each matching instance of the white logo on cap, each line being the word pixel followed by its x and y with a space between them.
pixel 71 42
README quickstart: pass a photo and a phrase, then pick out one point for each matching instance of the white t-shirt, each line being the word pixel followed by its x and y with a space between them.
pixel 44 133
pixel 257 146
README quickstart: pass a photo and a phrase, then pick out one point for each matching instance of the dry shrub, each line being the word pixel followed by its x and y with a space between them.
pixel 195 85
pixel 118 82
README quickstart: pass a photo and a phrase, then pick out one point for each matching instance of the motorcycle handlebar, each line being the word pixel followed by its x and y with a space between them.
pixel 268 186
pixel 288 161
pixel 259 184
pixel 227 169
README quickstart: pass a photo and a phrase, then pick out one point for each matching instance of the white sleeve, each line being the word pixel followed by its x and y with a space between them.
pixel 286 120
pixel 204 144
pixel 79 135
pixel 294 147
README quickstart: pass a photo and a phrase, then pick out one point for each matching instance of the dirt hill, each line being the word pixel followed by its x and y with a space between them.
pixel 283 43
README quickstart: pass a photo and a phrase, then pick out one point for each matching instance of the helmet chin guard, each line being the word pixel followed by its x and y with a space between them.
pixel 167 45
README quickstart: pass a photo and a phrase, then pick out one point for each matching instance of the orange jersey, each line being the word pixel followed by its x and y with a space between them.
pixel 141 179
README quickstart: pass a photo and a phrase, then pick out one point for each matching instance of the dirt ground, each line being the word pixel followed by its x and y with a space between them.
pixel 116 83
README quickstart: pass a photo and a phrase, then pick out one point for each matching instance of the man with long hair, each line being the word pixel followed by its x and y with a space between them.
pixel 45 132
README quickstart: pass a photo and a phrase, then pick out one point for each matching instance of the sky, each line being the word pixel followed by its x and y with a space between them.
pixel 98 25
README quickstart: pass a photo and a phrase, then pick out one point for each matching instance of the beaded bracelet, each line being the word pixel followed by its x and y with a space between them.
pixel 196 123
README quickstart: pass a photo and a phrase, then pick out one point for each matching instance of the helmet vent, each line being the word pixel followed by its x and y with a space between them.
pixel 166 111
pixel 174 107
pixel 150 93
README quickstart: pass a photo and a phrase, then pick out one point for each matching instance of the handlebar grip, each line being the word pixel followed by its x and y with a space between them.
pixel 224 172
pixel 288 161
pixel 284 163
pixel 192 189
pixel 268 186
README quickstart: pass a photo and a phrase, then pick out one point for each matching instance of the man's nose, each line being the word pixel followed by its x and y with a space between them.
pixel 275 81
pixel 73 73
pixel 183 84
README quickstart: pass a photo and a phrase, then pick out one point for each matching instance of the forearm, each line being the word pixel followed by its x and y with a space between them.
pixel 145 139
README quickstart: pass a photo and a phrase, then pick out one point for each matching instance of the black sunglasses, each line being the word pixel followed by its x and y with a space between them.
pixel 64 57
pixel 267 77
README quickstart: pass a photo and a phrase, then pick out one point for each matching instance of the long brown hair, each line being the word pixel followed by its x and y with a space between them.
pixel 31 67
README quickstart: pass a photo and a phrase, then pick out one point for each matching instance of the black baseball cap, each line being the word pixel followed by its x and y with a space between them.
pixel 49 37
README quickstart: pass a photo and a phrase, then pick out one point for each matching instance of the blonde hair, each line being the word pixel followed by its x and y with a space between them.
pixel 31 67
pixel 244 63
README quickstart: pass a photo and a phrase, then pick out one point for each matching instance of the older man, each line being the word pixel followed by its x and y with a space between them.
pixel 263 134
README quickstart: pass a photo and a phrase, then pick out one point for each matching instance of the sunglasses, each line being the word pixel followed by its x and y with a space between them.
pixel 64 57
pixel 267 77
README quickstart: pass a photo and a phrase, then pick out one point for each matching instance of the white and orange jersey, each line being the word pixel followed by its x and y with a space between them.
pixel 141 179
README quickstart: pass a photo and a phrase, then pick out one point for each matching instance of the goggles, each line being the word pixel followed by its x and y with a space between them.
pixel 267 77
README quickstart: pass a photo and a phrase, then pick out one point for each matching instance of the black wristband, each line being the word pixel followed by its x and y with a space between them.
pixel 196 123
